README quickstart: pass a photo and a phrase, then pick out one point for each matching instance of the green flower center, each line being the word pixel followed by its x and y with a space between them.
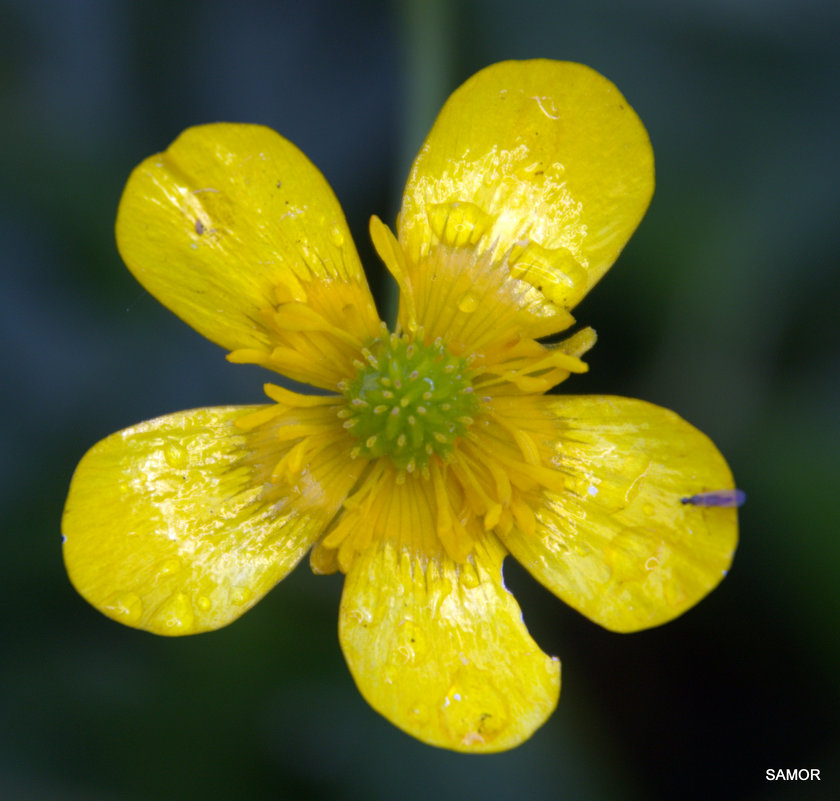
pixel 408 401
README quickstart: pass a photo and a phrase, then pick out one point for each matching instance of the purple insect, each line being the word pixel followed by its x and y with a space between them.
pixel 726 497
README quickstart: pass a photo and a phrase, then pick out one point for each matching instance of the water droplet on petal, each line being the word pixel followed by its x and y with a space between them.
pixel 554 544
pixel 626 552
pixel 469 579
pixel 581 549
pixel 203 603
pixel 336 236
pixel 175 455
pixel 554 272
pixel 177 613
pixel 359 616
pixel 458 224
pixel 169 566
pixel 125 607
pixel 473 710
pixel 468 303
pixel 410 644
pixel 240 596
pixel 648 509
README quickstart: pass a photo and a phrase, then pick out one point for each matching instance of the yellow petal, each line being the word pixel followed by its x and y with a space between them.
pixel 538 169
pixel 618 544
pixel 441 651
pixel 235 230
pixel 174 527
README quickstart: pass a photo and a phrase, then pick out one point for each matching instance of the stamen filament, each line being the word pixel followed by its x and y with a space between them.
pixel 289 398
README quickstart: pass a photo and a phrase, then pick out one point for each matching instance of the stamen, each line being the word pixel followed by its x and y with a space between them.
pixel 451 532
pixel 289 398
pixel 532 374
pixel 297 316
pixel 257 418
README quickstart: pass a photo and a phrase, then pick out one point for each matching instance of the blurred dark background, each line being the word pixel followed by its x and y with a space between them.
pixel 723 307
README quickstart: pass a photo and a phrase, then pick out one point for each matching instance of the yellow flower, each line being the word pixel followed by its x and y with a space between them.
pixel 437 451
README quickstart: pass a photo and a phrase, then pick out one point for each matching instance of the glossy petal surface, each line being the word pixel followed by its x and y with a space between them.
pixel 436 451
pixel 235 230
pixel 540 168
pixel 441 650
pixel 619 545
pixel 170 526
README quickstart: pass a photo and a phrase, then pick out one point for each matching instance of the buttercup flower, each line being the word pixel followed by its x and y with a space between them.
pixel 436 451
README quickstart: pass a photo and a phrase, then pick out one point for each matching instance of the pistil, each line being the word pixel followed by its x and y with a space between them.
pixel 409 401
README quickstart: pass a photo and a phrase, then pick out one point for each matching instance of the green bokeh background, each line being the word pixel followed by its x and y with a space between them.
pixel 723 307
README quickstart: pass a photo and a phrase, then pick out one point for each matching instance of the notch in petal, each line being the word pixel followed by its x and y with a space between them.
pixel 234 229
pixel 441 651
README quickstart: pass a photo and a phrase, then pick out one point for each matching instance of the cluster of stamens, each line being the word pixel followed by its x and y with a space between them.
pixel 408 401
